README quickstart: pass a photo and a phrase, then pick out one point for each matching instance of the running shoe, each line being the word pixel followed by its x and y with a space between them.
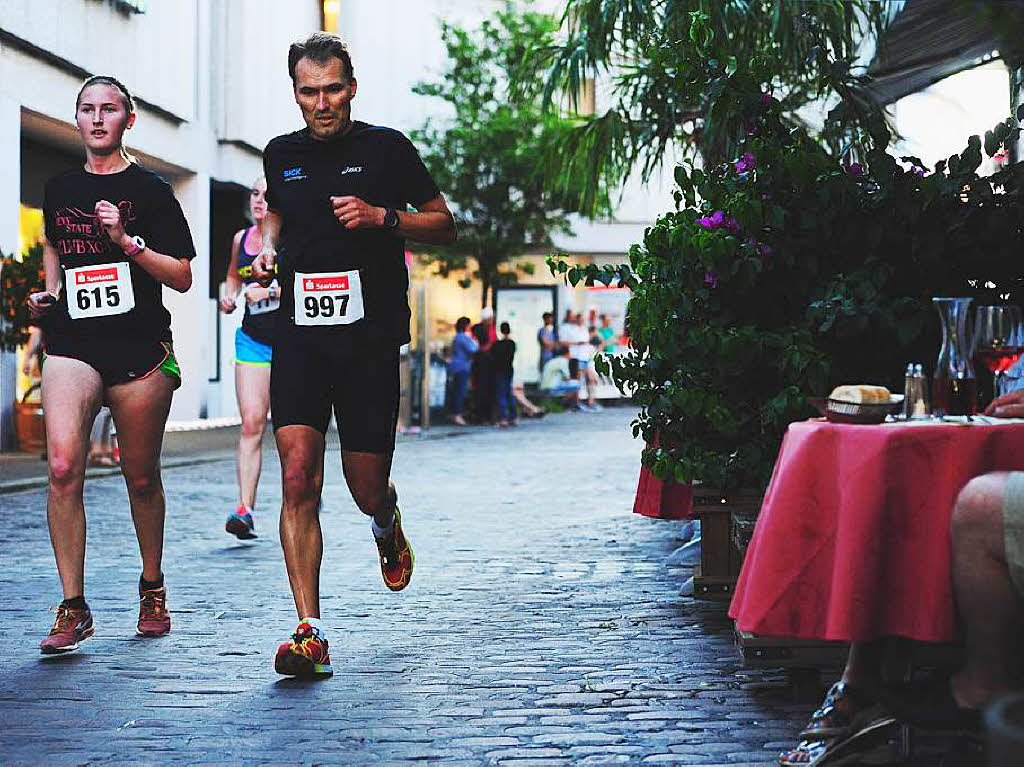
pixel 240 523
pixel 73 625
pixel 396 557
pixel 306 656
pixel 154 620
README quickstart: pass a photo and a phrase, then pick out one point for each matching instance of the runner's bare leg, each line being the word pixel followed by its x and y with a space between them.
pixel 301 449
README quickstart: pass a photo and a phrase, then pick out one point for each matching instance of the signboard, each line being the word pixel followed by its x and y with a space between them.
pixel 522 308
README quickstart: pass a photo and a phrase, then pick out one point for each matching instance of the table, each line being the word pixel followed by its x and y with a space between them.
pixel 852 542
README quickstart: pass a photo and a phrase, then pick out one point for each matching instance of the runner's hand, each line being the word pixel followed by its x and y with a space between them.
pixel 254 294
pixel 353 213
pixel 40 304
pixel 1008 406
pixel 227 304
pixel 110 219
pixel 264 266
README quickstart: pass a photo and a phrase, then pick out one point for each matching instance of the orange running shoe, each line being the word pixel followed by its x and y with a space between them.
pixel 73 625
pixel 396 556
pixel 306 656
pixel 154 620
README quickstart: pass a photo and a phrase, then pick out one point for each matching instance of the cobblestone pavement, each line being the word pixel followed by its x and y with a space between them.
pixel 541 626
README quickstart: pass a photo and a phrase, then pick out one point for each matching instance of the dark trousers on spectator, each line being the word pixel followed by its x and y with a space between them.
pixel 506 399
pixel 483 388
pixel 460 386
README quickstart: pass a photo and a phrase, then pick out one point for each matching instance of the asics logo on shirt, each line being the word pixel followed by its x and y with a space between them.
pixel 352 169
pixel 293 174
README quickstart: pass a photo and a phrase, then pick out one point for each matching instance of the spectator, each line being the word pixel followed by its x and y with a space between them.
pixel 546 338
pixel 502 354
pixel 555 380
pixel 583 351
pixel 607 334
pixel 529 410
pixel 483 369
pixel 464 347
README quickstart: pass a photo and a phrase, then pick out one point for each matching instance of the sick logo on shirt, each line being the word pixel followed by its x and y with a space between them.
pixel 82 233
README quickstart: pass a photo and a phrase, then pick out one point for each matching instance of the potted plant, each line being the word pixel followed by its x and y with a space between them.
pixel 789 270
pixel 19 278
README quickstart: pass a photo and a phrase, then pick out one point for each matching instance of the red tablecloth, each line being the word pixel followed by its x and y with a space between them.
pixel 852 542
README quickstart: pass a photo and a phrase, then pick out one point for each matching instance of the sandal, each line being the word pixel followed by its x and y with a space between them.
pixel 833 718
pixel 869 742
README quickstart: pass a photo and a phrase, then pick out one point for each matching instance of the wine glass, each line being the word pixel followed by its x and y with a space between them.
pixel 998 340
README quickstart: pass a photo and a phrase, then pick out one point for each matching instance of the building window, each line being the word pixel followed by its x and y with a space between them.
pixel 331 11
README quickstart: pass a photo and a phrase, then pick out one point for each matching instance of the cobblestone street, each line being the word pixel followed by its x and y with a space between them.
pixel 541 626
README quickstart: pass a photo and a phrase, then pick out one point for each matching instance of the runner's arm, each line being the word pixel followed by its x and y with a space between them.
pixel 51 267
pixel 270 233
pixel 234 282
pixel 174 272
pixel 431 222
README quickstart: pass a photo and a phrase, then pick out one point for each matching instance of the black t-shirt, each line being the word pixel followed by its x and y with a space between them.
pixel 381 167
pixel 149 210
pixel 502 353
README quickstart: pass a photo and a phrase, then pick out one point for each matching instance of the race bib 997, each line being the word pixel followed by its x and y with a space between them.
pixel 99 291
pixel 328 298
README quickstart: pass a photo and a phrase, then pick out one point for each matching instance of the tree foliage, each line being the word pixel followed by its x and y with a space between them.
pixel 784 272
pixel 18 279
pixel 487 158
pixel 669 64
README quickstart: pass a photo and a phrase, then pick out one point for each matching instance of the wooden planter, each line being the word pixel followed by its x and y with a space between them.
pixel 726 519
pixel 30 427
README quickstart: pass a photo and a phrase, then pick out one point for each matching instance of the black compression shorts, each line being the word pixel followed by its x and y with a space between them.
pixel 119 362
pixel 309 379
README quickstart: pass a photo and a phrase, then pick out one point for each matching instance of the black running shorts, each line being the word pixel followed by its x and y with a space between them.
pixel 309 379
pixel 119 362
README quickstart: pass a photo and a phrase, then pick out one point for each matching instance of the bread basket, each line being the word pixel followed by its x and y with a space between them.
pixel 838 411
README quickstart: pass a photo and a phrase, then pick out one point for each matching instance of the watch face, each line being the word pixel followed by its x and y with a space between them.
pixel 391 219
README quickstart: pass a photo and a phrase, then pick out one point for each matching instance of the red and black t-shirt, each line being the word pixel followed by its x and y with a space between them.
pixel 381 167
pixel 148 209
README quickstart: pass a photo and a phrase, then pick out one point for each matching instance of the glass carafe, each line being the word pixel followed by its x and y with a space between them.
pixel 954 387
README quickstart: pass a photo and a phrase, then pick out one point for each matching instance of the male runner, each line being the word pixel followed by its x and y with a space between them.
pixel 337 193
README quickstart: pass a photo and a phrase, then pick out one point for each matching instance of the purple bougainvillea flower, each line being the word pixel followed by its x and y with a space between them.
pixel 765 196
pixel 855 169
pixel 710 278
pixel 717 219
pixel 745 163
pixel 753 129
pixel 764 250
pixel 732 225
pixel 918 170
pixel 766 99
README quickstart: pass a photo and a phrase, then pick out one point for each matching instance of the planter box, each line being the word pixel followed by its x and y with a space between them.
pixel 720 559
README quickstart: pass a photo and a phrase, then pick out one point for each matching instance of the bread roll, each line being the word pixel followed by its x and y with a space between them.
pixel 861 394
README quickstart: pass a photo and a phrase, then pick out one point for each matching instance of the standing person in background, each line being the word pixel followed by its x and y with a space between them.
pixel 503 353
pixel 483 368
pixel 115 236
pixel 546 339
pixel 253 350
pixel 464 347
pixel 582 351
pixel 607 334
pixel 101 441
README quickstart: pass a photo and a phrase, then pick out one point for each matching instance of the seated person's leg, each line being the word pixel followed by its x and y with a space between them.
pixel 988 577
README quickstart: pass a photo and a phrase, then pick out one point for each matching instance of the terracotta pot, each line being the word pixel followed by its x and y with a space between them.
pixel 30 427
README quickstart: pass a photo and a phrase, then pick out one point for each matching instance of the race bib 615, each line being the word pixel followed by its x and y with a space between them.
pixel 99 291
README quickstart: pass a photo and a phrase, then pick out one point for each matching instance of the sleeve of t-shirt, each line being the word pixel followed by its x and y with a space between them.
pixel 270 176
pixel 168 230
pixel 416 186
pixel 49 220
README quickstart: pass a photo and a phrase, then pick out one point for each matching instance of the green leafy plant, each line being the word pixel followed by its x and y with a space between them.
pixel 18 278
pixel 488 157
pixel 785 272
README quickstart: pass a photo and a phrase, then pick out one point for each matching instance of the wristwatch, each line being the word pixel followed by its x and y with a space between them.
pixel 390 219
pixel 137 246
pixel 272 293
